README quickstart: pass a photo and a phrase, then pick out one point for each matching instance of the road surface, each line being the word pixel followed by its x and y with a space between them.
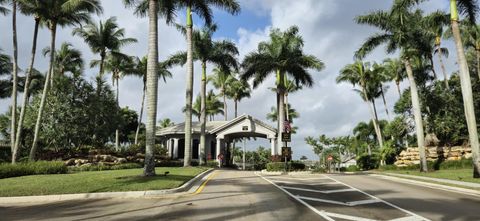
pixel 239 195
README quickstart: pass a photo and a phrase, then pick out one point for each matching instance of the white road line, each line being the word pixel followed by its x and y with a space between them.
pixel 320 213
pixel 308 184
pixel 322 200
pixel 407 218
pixel 318 191
pixel 362 202
pixel 390 204
pixel 347 217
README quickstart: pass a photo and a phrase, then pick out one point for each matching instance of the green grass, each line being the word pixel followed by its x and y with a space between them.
pixel 96 181
pixel 451 174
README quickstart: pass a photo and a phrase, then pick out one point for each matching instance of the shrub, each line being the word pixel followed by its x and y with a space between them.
pixel 434 165
pixel 280 166
pixel 32 168
pixel 212 163
pixel 319 169
pixel 352 168
pixel 368 162
pixel 276 166
pixel 105 167
pixel 296 165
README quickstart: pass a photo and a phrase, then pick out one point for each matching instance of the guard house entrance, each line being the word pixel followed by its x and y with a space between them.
pixel 220 136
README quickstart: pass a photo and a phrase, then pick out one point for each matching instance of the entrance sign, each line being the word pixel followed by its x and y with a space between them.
pixel 286 126
pixel 286 137
pixel 287 152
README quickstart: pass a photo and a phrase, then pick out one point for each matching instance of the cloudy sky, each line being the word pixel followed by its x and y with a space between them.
pixel 329 33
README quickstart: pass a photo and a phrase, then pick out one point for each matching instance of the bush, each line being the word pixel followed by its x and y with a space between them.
pixel 32 168
pixel 368 162
pixel 434 165
pixel 212 163
pixel 319 169
pixel 105 167
pixel 352 168
pixel 291 166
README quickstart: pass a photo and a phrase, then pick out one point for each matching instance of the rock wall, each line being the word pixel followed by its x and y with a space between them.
pixel 411 156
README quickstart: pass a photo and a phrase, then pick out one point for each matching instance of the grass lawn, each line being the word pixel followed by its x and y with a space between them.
pixel 96 181
pixel 465 175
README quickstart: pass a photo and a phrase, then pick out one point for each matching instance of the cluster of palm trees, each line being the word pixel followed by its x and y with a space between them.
pixel 417 37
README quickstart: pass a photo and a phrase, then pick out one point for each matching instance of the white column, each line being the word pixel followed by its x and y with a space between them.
pixel 169 148
pixel 272 146
pixel 175 148
pixel 217 152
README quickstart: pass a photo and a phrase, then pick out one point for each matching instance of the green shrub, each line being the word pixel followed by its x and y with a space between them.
pixel 296 165
pixel 368 162
pixel 32 168
pixel 434 165
pixel 105 167
pixel 319 169
pixel 352 168
pixel 212 163
pixel 276 166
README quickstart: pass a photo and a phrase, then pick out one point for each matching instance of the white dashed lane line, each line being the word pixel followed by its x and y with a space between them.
pixel 301 195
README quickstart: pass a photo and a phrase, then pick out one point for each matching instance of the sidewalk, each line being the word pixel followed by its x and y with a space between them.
pixel 438 180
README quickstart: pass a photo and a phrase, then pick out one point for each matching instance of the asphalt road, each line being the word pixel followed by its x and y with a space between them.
pixel 238 195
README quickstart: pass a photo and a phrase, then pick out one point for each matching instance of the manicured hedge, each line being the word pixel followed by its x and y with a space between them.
pixel 32 168
pixel 105 167
pixel 291 166
pixel 435 165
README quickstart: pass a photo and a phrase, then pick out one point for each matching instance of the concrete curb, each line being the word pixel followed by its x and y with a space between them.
pixel 265 172
pixel 427 184
pixel 104 195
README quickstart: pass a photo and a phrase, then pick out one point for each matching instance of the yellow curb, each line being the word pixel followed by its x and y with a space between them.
pixel 200 189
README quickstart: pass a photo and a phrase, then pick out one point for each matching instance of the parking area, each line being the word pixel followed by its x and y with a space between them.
pixel 334 200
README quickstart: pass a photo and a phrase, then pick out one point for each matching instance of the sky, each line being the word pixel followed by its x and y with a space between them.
pixel 329 33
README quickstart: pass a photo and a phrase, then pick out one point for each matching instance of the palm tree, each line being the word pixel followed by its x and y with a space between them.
pixel 435 24
pixel 379 77
pixel 400 30
pixel 222 54
pixel 103 38
pixel 282 55
pixel 359 73
pixel 165 123
pixel 14 80
pixel 213 105
pixel 153 9
pixel 222 80
pixel 6 67
pixel 140 70
pixel 291 113
pixel 395 71
pixel 203 10
pixel 3 10
pixel 237 90
pixel 470 8
pixel 60 13
pixel 35 8
pixel 117 64
pixel 67 59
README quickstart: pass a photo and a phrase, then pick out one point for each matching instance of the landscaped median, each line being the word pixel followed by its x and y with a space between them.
pixel 97 181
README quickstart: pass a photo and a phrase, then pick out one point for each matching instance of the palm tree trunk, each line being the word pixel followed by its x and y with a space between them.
pixel 26 91
pixel 225 110
pixel 477 52
pixel 376 124
pixel 203 113
pixel 117 134
pixel 417 115
pixel 466 91
pixel 189 92
pixel 236 108
pixel 398 88
pixel 433 67
pixel 141 115
pixel 442 65
pixel 14 78
pixel 33 151
pixel 281 110
pixel 385 103
pixel 152 87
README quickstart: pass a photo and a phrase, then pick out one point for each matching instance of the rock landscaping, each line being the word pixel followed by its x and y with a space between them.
pixel 411 156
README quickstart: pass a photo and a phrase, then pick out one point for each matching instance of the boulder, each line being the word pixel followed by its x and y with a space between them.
pixel 70 162
pixel 120 160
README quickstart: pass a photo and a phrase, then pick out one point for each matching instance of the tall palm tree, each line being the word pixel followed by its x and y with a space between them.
pixel 378 79
pixel 237 91
pixel 213 105
pixel 140 70
pixel 61 13
pixel 400 29
pixel 359 73
pixel 470 8
pixel 203 9
pixel 32 8
pixel 435 24
pixel 6 67
pixel 118 64
pixel 14 79
pixel 283 56
pixel 103 38
pixel 395 71
pixel 206 50
pixel 67 59
pixel 222 80
pixel 152 9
